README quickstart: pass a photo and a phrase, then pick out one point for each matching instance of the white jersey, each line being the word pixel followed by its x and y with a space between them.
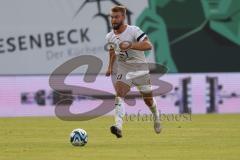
pixel 132 63
pixel 132 34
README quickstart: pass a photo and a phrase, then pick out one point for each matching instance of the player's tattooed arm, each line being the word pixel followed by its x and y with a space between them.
pixel 112 57
pixel 144 45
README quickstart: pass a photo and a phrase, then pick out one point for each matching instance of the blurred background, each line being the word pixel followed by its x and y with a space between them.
pixel 197 40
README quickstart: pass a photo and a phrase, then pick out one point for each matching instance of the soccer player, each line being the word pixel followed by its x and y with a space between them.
pixel 128 44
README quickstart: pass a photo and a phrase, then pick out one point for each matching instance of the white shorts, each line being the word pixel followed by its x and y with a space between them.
pixel 131 75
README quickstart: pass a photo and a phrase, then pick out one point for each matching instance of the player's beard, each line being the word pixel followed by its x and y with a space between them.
pixel 116 26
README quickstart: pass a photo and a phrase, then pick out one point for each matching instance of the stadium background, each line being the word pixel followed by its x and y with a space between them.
pixel 200 51
pixel 201 55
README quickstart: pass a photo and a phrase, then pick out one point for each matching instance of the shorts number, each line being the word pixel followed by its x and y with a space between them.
pixel 119 76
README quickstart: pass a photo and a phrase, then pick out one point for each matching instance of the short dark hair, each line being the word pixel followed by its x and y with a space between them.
pixel 121 9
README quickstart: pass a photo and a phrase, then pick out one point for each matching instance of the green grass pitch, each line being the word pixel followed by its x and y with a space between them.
pixel 205 137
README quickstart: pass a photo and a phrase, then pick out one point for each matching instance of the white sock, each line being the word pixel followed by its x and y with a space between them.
pixel 154 110
pixel 119 112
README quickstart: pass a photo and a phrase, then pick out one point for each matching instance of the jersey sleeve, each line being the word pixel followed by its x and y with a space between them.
pixel 107 38
pixel 139 35
pixel 109 45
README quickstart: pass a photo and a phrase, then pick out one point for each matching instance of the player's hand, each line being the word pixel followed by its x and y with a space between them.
pixel 109 72
pixel 125 45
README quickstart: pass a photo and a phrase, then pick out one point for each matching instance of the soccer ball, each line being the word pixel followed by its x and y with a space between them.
pixel 78 137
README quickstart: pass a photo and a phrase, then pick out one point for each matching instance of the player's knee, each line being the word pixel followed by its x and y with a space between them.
pixel 148 101
pixel 120 93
